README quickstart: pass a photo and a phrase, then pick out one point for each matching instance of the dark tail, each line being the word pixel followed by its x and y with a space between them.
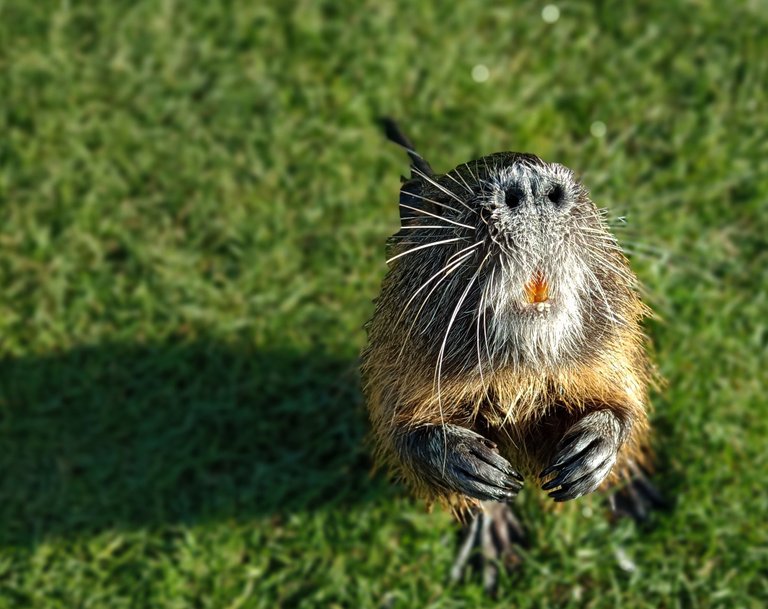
pixel 394 134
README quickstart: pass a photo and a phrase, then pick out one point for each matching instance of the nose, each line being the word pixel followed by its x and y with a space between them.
pixel 515 194
pixel 534 191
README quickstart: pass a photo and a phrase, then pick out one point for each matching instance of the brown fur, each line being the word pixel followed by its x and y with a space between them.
pixel 525 411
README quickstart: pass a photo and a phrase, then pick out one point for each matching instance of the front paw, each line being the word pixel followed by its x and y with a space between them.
pixel 584 456
pixel 468 463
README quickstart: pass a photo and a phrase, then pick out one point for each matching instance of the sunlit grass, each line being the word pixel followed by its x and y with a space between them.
pixel 195 199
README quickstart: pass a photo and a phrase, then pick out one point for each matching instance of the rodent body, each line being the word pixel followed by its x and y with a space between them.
pixel 506 343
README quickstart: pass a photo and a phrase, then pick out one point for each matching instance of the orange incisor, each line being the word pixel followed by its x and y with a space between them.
pixel 537 289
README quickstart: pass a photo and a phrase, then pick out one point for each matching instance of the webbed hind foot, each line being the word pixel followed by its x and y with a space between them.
pixel 489 542
pixel 638 498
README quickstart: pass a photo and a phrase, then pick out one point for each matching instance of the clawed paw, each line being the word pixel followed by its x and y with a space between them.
pixel 584 457
pixel 471 464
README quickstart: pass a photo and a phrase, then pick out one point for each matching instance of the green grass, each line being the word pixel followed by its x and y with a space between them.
pixel 194 200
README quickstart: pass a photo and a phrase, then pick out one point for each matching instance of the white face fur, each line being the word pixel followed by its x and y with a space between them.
pixel 538 235
pixel 540 282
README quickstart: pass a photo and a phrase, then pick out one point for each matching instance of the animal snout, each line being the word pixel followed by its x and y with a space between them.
pixel 532 190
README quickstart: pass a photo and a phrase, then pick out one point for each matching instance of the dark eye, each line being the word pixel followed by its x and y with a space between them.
pixel 556 195
pixel 512 197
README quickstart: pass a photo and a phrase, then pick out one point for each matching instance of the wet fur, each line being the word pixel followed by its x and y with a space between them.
pixel 461 350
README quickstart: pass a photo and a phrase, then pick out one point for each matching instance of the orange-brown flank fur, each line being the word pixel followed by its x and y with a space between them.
pixel 524 411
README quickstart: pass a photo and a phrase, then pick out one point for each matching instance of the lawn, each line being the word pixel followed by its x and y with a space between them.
pixel 194 201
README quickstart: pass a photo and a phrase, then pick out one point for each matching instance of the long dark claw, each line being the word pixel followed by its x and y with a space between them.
pixel 463 461
pixel 584 456
pixel 583 485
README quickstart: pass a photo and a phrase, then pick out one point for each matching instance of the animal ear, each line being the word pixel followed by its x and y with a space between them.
pixel 412 201
pixel 419 165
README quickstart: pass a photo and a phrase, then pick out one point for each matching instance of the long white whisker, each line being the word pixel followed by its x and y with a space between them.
pixel 443 188
pixel 425 226
pixel 469 169
pixel 644 248
pixel 462 255
pixel 481 307
pixel 600 257
pixel 423 198
pixel 413 152
pixel 469 190
pixel 467 186
pixel 420 218
pixel 609 315
pixel 441 355
pixel 426 245
pixel 464 250
pixel 607 243
pixel 488 286
pixel 447 271
pixel 487 171
pixel 422 211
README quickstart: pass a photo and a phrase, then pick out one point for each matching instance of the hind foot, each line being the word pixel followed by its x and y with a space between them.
pixel 488 544
pixel 638 498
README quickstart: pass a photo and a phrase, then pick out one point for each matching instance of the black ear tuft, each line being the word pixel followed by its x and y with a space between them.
pixel 395 134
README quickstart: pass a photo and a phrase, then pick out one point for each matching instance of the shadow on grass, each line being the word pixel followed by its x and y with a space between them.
pixel 116 436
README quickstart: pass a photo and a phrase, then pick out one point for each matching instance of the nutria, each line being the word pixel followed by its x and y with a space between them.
pixel 507 342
